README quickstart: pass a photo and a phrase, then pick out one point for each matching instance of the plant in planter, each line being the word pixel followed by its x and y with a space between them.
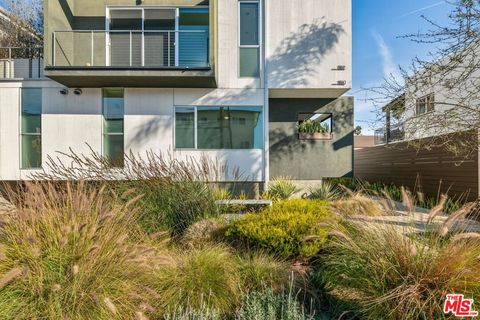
pixel 313 130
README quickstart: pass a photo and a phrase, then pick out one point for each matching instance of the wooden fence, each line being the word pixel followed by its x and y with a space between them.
pixel 431 171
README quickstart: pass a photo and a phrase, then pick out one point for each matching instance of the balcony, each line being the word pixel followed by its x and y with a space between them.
pixel 131 58
pixel 20 63
pixel 395 133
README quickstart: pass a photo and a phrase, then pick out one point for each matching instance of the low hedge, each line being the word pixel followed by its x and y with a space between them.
pixel 292 228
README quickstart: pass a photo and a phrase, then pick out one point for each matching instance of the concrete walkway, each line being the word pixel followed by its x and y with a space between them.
pixel 414 222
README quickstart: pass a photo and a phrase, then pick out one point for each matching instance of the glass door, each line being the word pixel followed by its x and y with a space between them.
pixel 125 37
pixel 159 26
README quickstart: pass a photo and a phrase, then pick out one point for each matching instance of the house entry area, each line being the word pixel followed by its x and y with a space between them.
pixel 158 37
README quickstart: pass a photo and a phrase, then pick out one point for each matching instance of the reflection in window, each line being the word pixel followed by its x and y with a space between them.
pixel 113 130
pixel 31 128
pixel 219 128
pixel 249 39
pixel 185 128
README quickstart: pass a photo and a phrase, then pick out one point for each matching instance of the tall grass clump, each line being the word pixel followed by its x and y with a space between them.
pixel 175 193
pixel 260 271
pixel 71 253
pixel 205 278
pixel 399 275
pixel 281 188
pixel 359 204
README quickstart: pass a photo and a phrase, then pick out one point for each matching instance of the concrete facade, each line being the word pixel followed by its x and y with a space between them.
pixel 316 34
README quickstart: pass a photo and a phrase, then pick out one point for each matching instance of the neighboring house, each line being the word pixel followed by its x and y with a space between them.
pixel 226 79
pixel 429 111
pixel 17 61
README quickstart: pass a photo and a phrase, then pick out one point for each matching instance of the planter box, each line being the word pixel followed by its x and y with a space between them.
pixel 315 136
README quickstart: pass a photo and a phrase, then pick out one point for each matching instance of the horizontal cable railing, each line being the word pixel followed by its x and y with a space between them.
pixel 131 48
pixel 394 134
pixel 21 63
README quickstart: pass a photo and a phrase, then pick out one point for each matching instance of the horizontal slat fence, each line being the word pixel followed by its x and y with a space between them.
pixel 434 171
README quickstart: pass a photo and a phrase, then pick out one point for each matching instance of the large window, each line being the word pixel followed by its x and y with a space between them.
pixel 113 114
pixel 212 128
pixel 249 12
pixel 425 104
pixel 31 128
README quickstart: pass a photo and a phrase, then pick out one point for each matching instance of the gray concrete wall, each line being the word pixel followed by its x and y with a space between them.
pixel 311 160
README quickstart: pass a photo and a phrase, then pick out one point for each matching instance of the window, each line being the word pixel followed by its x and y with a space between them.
pixel 185 128
pixel 113 114
pixel 425 104
pixel 212 128
pixel 31 128
pixel 249 55
pixel 315 126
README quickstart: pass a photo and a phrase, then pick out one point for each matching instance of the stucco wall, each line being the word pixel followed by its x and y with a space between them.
pixel 311 160
pixel 307 40
pixel 71 121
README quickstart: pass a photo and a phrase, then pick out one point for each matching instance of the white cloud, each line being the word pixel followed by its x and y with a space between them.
pixel 389 67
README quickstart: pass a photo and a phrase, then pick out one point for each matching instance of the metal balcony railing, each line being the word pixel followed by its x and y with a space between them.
pixel 131 49
pixel 21 63
pixel 395 134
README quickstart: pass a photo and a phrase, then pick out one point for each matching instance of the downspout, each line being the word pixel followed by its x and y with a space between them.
pixel 266 108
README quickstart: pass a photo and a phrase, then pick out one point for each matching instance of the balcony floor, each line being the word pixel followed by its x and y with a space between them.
pixel 140 77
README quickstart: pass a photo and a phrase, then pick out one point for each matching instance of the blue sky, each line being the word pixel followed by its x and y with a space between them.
pixel 377 48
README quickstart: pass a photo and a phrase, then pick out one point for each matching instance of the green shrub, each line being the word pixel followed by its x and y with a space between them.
pixel 325 191
pixel 290 228
pixel 281 188
pixel 201 279
pixel 311 126
pixel 396 276
pixel 271 306
pixel 71 253
pixel 259 271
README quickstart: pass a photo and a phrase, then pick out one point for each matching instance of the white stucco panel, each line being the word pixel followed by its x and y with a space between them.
pixel 219 97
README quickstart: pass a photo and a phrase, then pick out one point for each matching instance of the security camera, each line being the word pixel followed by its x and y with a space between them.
pixel 64 91
pixel 78 91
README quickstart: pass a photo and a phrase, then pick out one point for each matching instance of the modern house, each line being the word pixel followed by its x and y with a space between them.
pixel 226 79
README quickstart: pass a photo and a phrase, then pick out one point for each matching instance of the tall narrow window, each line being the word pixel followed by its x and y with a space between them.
pixel 113 114
pixel 249 39
pixel 185 128
pixel 31 128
